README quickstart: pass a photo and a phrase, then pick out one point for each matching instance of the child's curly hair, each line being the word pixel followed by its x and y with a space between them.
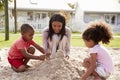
pixel 98 31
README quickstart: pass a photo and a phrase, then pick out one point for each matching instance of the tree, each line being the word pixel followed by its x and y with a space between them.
pixel 15 16
pixel 71 5
pixel 6 20
pixel 4 6
pixel 1 5
pixel 66 15
pixel 2 15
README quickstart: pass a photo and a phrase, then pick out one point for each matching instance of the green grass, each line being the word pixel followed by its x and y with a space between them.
pixel 75 41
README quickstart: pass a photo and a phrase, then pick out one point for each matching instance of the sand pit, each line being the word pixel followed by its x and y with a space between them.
pixel 57 68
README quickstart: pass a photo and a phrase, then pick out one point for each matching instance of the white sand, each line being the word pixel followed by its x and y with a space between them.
pixel 55 69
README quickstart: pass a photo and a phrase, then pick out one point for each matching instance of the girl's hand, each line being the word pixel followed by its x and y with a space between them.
pixel 67 57
pixel 82 78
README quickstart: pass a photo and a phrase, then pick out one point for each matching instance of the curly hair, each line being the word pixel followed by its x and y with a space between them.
pixel 98 31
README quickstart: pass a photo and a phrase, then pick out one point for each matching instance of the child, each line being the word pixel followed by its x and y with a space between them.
pixel 21 51
pixel 99 64
pixel 57 36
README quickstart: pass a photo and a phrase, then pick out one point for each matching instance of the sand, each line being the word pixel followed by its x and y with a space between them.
pixel 56 69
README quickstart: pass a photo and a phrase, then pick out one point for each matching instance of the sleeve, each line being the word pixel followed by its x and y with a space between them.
pixel 68 34
pixel 44 40
pixel 32 42
pixel 93 50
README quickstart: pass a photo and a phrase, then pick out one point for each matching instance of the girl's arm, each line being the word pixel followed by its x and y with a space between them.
pixel 91 68
pixel 68 33
pixel 45 39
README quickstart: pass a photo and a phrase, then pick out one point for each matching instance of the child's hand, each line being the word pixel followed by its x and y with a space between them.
pixel 47 56
pixel 67 57
pixel 82 78
pixel 42 57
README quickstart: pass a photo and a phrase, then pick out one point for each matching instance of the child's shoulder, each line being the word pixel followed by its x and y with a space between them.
pixel 19 40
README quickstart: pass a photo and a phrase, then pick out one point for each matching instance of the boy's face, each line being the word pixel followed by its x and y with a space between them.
pixel 27 36
pixel 57 26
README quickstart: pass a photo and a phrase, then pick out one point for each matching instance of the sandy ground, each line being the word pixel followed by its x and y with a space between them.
pixel 56 69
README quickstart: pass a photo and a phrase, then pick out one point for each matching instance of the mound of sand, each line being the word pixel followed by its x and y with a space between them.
pixel 57 68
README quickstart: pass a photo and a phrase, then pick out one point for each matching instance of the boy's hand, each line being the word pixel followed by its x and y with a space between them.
pixel 47 56
pixel 42 57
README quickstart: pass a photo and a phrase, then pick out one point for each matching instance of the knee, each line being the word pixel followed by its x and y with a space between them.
pixel 31 50
pixel 86 63
pixel 86 59
pixel 22 68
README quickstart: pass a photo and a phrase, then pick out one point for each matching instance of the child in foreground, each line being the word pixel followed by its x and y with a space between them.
pixel 21 51
pixel 99 64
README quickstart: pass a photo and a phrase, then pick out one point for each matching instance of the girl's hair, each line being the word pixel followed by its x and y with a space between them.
pixel 25 28
pixel 60 18
pixel 98 31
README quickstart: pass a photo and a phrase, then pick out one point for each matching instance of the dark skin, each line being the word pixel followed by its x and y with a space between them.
pixel 27 36
pixel 28 53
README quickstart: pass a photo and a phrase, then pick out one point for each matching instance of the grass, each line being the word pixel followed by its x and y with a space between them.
pixel 76 41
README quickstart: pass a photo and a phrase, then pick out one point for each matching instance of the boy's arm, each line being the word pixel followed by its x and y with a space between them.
pixel 28 55
pixel 39 48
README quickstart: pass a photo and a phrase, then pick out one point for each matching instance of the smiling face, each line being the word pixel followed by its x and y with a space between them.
pixel 57 26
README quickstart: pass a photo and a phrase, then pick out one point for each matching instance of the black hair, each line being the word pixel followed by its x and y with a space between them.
pixel 25 28
pixel 60 18
pixel 98 31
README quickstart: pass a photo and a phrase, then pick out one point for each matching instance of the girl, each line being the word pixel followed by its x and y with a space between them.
pixel 20 52
pixel 99 64
pixel 57 36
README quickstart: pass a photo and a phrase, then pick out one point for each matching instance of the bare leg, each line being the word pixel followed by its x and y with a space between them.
pixel 22 68
pixel 86 63
pixel 97 77
pixel 30 50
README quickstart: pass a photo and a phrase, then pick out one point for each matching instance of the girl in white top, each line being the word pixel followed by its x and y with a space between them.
pixel 57 36
pixel 99 64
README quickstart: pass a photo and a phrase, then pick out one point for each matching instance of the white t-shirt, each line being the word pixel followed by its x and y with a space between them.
pixel 46 41
pixel 103 57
